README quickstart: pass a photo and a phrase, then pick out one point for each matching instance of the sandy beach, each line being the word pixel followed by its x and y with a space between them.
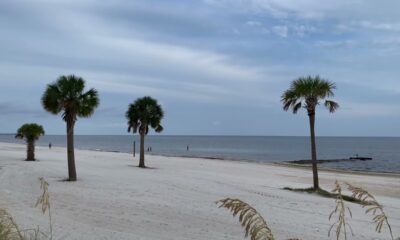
pixel 174 199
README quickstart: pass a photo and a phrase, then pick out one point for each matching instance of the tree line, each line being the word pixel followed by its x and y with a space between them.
pixel 67 96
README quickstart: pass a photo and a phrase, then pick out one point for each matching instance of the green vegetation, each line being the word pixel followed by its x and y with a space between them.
pixel 141 115
pixel 307 92
pixel 30 132
pixel 67 95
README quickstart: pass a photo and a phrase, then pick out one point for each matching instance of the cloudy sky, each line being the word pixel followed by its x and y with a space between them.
pixel 216 66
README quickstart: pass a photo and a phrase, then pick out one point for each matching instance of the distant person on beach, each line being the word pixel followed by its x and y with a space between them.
pixel 187 148
pixel 49 145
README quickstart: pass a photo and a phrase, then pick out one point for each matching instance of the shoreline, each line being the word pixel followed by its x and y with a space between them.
pixel 344 171
pixel 285 163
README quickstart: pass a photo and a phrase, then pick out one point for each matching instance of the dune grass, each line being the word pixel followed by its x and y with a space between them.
pixel 9 229
pixel 372 207
pixel 257 228
pixel 341 223
pixel 255 225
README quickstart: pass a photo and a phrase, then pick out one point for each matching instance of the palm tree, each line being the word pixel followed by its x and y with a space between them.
pixel 30 132
pixel 67 95
pixel 307 92
pixel 144 113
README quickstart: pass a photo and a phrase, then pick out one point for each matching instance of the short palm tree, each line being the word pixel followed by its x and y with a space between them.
pixel 307 92
pixel 30 132
pixel 67 95
pixel 144 113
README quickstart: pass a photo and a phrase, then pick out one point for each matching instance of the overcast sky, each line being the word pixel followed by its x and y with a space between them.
pixel 217 66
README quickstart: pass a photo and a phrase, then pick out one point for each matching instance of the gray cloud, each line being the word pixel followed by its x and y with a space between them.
pixel 19 109
pixel 223 58
pixel 337 44
pixel 281 31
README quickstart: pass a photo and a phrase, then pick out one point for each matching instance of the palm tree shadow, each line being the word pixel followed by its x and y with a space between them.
pixel 136 166
pixel 66 180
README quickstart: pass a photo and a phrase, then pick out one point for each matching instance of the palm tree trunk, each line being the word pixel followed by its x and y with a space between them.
pixel 70 151
pixel 313 150
pixel 30 151
pixel 141 160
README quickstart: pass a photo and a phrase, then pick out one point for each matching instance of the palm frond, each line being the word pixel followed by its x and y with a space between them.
pixel 67 95
pixel 51 99
pixel 144 113
pixel 296 107
pixel 254 224
pixel 30 131
pixel 289 98
pixel 331 105
pixel 372 206
pixel 159 128
pixel 308 90
pixel 71 86
pixel 88 102
pixel 19 136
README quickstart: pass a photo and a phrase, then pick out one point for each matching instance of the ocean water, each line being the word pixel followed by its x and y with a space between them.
pixel 385 151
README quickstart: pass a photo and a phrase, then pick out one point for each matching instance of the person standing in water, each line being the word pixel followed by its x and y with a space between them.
pixel 49 145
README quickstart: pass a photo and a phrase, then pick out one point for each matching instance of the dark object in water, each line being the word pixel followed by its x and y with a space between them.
pixel 360 158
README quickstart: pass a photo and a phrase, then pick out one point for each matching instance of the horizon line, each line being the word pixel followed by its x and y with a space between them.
pixel 212 135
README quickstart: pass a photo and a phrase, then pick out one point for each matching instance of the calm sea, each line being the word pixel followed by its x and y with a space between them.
pixel 385 151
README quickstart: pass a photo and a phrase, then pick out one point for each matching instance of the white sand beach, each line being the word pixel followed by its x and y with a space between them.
pixel 174 199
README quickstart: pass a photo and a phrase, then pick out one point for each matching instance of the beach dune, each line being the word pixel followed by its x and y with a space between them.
pixel 175 198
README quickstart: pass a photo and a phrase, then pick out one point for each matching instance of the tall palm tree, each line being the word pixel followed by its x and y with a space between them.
pixel 144 113
pixel 67 95
pixel 307 92
pixel 30 132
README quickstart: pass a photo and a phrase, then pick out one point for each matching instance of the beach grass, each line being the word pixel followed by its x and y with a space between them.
pixel 9 229
pixel 256 226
